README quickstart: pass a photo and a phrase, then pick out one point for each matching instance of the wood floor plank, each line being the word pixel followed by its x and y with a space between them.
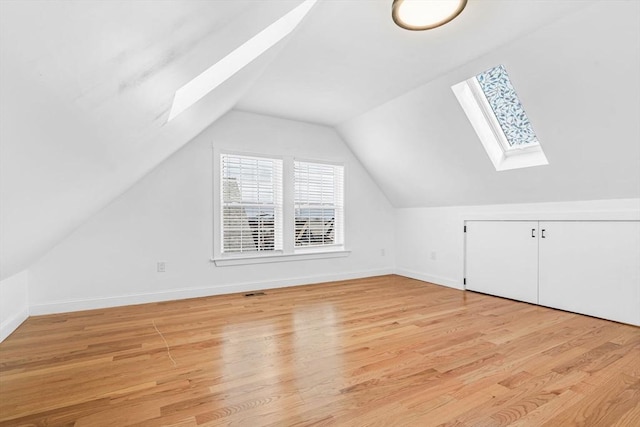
pixel 377 351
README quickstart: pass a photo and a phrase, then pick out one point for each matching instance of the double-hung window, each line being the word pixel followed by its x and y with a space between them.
pixel 251 204
pixel 277 209
pixel 318 204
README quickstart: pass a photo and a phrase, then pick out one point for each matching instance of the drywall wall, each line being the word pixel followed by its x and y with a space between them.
pixel 430 241
pixel 168 216
pixel 14 302
pixel 580 89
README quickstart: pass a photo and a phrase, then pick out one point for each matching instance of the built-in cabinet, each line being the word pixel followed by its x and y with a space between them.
pixel 588 267
pixel 502 259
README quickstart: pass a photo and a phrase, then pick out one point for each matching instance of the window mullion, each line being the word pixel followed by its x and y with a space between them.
pixel 288 197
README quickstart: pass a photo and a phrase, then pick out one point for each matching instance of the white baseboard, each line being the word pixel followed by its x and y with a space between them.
pixel 176 294
pixel 438 280
pixel 8 326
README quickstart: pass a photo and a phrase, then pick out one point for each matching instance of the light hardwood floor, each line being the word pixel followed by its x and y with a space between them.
pixel 384 351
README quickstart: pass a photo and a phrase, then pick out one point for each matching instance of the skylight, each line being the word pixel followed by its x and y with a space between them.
pixel 221 71
pixel 506 106
pixel 496 114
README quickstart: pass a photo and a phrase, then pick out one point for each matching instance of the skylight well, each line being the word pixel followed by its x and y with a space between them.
pixel 496 114
pixel 224 69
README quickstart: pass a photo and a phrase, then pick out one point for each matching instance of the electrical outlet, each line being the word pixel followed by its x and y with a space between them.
pixel 382 252
pixel 434 255
pixel 162 266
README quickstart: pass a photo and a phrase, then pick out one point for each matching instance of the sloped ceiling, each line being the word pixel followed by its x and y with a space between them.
pixel 86 88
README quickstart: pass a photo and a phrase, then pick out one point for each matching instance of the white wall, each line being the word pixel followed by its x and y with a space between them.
pixel 14 302
pixel 111 260
pixel 426 233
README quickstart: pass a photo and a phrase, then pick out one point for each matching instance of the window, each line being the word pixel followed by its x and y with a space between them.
pixel 492 106
pixel 273 209
pixel 251 204
pixel 318 204
pixel 506 108
pixel 227 67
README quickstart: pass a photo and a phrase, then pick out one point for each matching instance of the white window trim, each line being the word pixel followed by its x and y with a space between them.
pixel 265 259
pixel 289 251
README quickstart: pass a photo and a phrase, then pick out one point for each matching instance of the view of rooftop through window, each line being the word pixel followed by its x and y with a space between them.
pixel 506 106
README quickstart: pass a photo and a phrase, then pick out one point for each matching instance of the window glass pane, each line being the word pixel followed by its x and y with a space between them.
pixel 314 226
pixel 506 106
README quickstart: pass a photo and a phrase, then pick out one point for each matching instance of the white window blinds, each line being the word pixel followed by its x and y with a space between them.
pixel 318 204
pixel 251 208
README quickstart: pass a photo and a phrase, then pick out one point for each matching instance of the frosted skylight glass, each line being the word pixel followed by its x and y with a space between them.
pixel 506 106
pixel 224 69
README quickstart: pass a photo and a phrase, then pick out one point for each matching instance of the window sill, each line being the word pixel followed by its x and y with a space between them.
pixel 264 259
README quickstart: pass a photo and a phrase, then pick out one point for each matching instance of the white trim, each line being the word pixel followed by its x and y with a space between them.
pixel 578 215
pixel 288 206
pixel 319 160
pixel 8 326
pixel 176 294
pixel 262 259
pixel 437 280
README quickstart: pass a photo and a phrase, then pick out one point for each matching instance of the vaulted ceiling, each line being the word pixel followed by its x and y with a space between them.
pixel 86 88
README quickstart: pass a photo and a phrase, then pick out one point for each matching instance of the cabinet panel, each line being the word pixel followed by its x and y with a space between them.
pixel 502 259
pixel 592 268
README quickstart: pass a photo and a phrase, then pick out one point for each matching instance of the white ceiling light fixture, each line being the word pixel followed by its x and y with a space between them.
pixel 224 69
pixel 418 15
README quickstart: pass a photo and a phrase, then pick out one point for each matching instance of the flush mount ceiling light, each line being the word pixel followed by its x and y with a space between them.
pixel 420 15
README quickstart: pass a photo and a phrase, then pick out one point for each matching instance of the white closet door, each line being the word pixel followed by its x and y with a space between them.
pixel 502 259
pixel 591 267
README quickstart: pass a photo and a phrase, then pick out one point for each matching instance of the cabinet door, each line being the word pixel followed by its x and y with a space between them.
pixel 502 259
pixel 592 268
